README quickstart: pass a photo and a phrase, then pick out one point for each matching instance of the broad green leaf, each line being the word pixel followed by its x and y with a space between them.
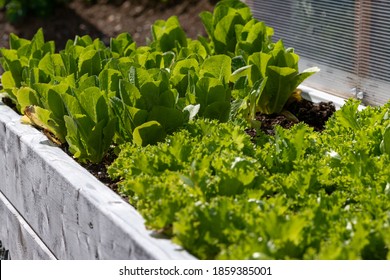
pixel 148 133
pixel 196 47
pixel 182 74
pixel 244 71
pixel 86 81
pixel 100 139
pixel 38 40
pixel 238 62
pixel 83 41
pixel 94 143
pixel 53 65
pixel 207 20
pixel 139 76
pixel 150 93
pixel 169 58
pixel 137 116
pixel 168 98
pixel 76 146
pixel 15 42
pixel 170 118
pixel 261 61
pixel 46 65
pixel 304 75
pixel 154 60
pixel 36 75
pixel 55 101
pixel 130 94
pixel 168 34
pixel 385 143
pixel 203 87
pixel 89 63
pixel 283 57
pixel 278 89
pixel 94 104
pixel 218 111
pixel 237 7
pixel 8 56
pixel 121 44
pixel 26 97
pixel 182 67
pixel 254 37
pixel 224 34
pixel 109 80
pixel 217 66
pixel 70 63
pixel 7 80
pixel 255 96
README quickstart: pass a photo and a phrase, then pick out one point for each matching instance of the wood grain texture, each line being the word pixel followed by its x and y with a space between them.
pixel 75 215
pixel 18 237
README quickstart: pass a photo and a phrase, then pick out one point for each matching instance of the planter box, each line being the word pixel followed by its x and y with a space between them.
pixel 20 238
pixel 51 207
pixel 317 96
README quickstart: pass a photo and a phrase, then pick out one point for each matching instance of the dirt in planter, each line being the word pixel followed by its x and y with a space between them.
pixel 313 114
pixel 4 253
pixel 106 19
pixel 99 170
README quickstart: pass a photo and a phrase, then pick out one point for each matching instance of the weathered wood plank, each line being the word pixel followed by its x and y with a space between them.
pixel 18 237
pixel 72 212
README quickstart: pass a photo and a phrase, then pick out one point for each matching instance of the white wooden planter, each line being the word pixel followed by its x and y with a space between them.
pixel 51 207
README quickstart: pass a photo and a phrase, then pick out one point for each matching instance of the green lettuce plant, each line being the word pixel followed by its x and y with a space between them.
pixel 149 91
pixel 297 195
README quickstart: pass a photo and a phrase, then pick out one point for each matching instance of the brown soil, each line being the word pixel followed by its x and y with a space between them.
pixel 108 19
pixel 315 115
pixel 99 170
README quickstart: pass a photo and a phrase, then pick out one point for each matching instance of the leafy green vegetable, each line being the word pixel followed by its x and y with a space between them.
pixel 90 129
pixel 298 195
pixel 169 34
pixel 221 24
pixel 174 111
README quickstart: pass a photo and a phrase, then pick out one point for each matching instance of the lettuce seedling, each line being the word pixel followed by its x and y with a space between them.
pixel 221 24
pixel 169 34
pixel 90 124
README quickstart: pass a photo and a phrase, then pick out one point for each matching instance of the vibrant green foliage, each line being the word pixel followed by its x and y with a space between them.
pixel 296 195
pixel 150 91
pixel 221 25
pixel 175 109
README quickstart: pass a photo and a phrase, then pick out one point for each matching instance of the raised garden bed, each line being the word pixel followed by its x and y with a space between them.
pixel 61 210
pixel 55 209
pixel 176 114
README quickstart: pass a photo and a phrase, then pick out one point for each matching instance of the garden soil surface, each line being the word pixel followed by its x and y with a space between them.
pixel 105 20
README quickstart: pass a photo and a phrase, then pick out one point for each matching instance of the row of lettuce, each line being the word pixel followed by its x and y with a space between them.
pixel 93 96
pixel 299 194
pixel 177 111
